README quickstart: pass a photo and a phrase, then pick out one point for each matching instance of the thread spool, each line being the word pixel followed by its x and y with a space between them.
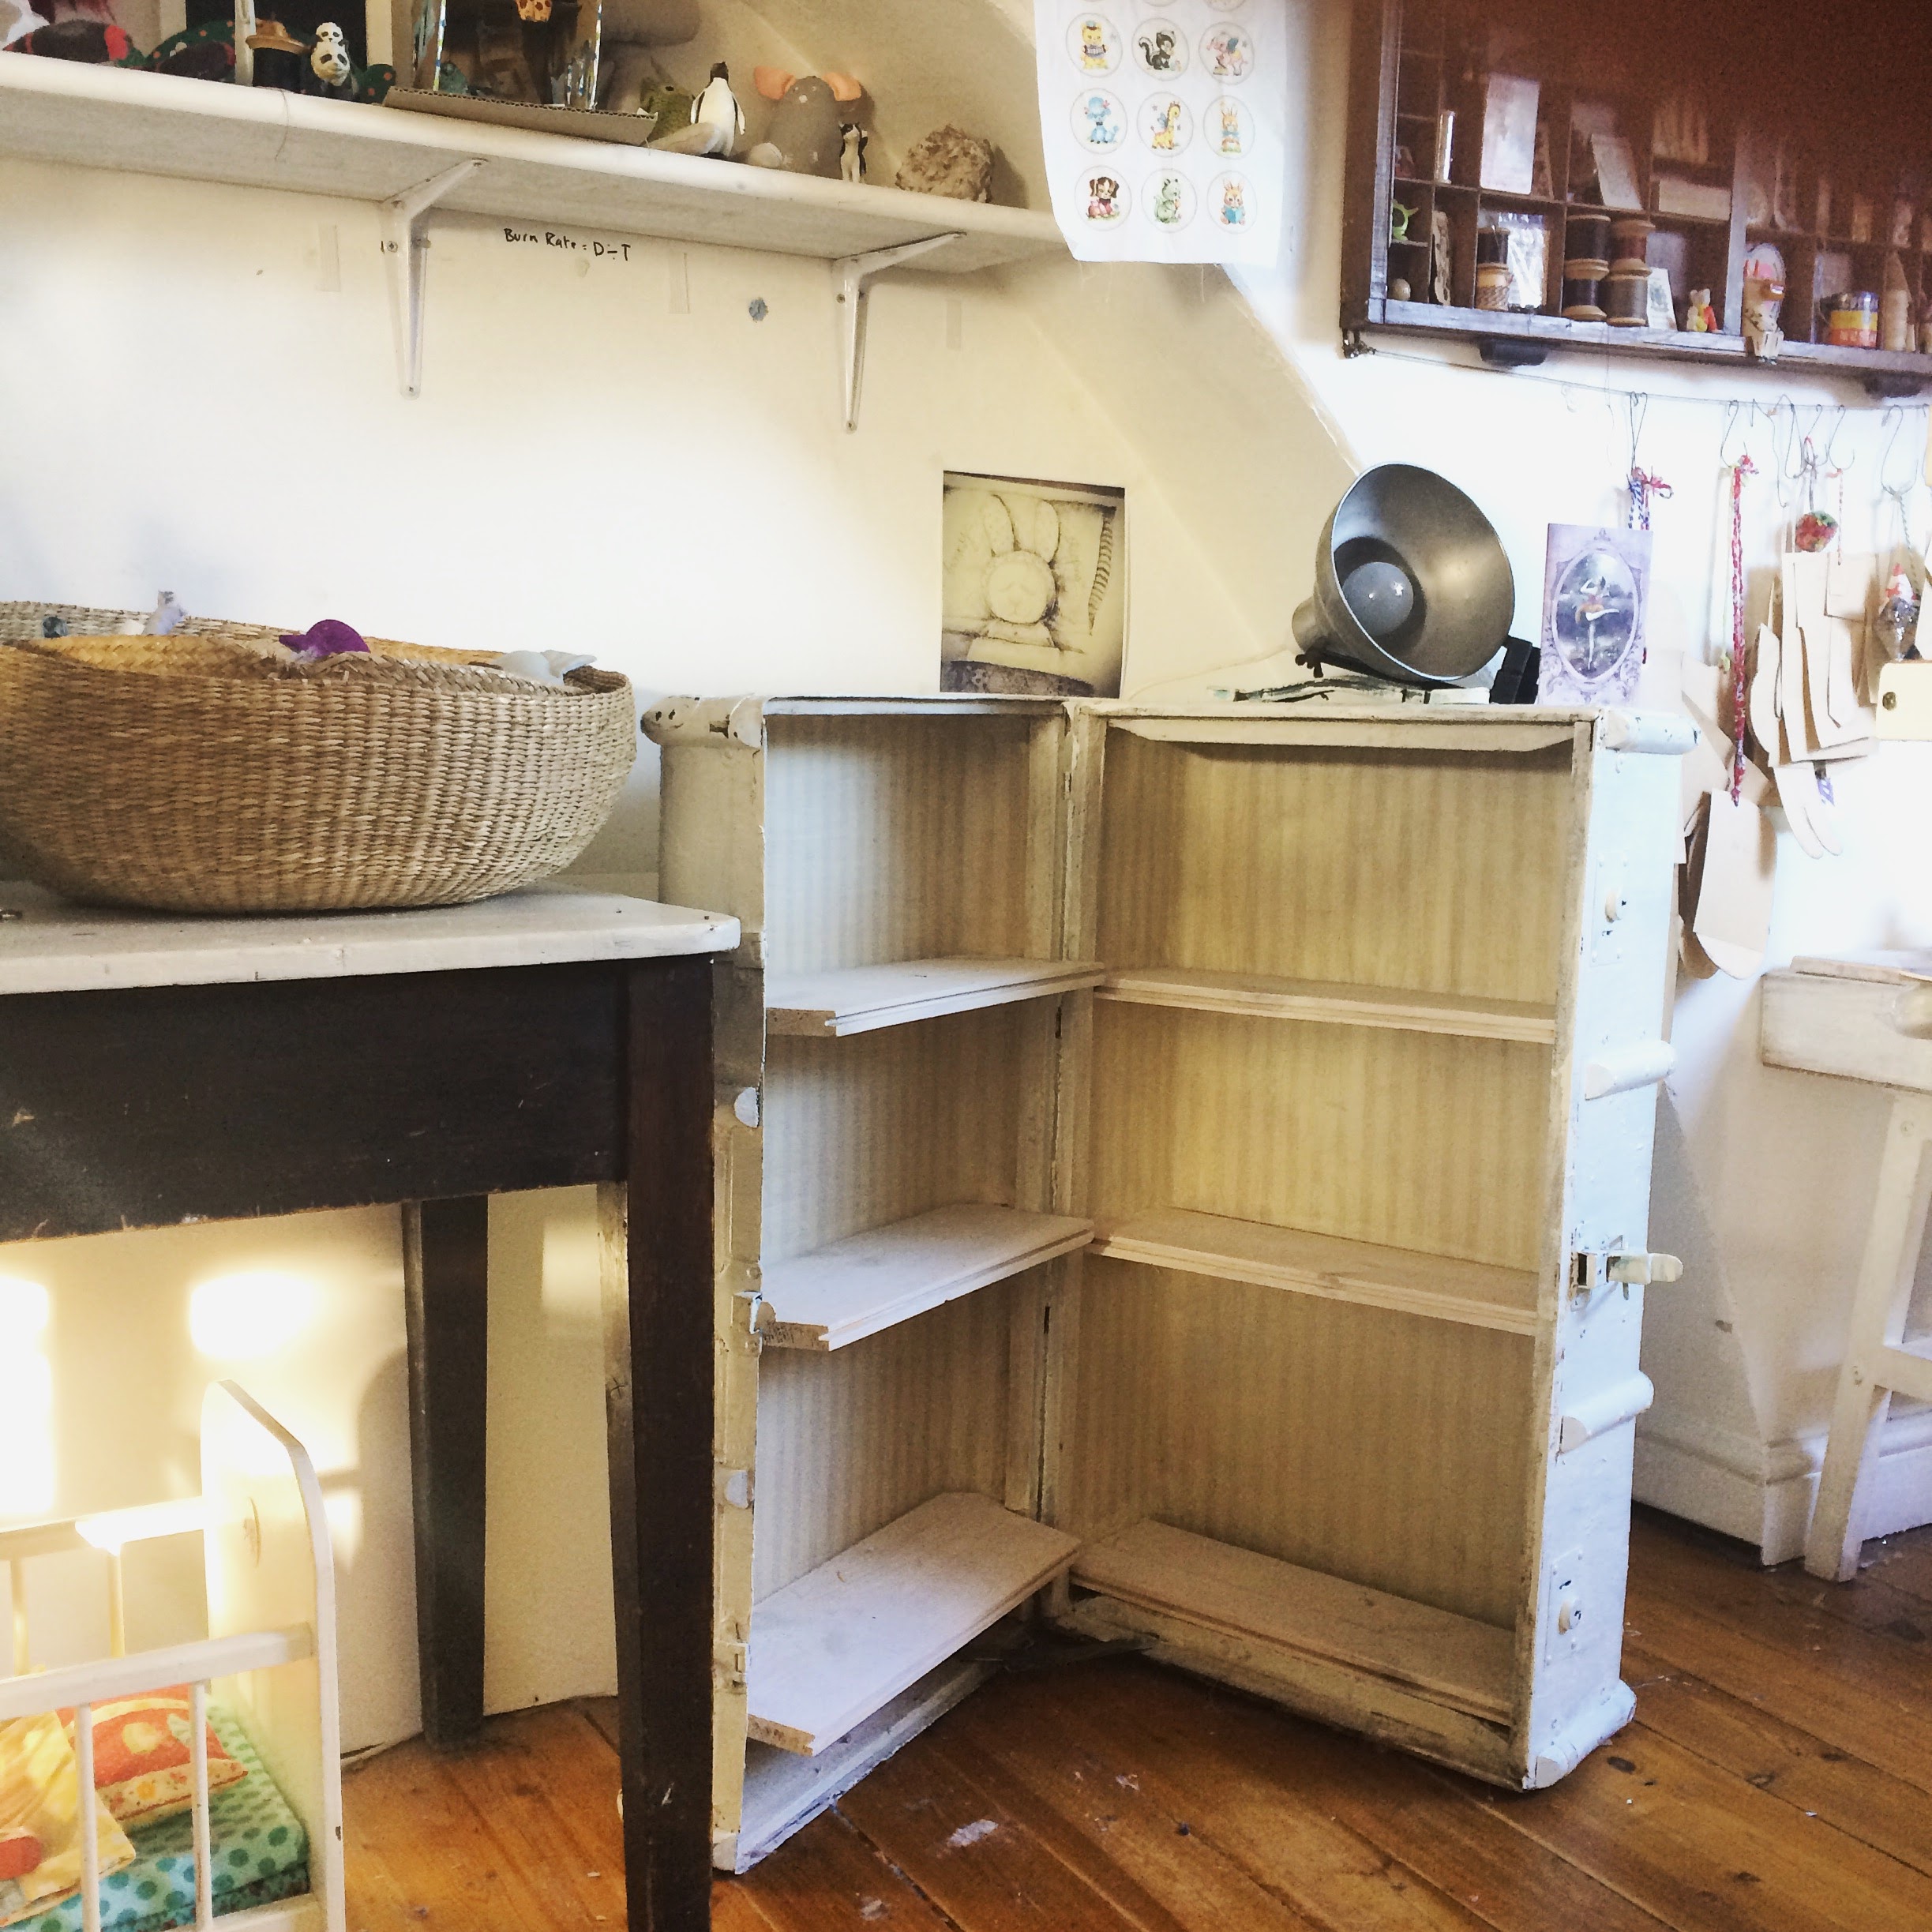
pixel 1632 238
pixel 1492 246
pixel 1580 303
pixel 1492 285
pixel 1587 239
pixel 1625 296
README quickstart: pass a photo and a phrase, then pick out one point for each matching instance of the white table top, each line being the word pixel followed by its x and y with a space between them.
pixel 50 945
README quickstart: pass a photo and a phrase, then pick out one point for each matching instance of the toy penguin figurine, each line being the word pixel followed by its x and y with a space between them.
pixel 852 151
pixel 328 61
pixel 718 107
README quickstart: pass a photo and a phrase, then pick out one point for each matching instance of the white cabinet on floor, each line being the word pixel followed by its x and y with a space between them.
pixel 1189 1169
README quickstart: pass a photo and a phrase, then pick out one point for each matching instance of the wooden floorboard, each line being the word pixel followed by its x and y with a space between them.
pixel 1778 1778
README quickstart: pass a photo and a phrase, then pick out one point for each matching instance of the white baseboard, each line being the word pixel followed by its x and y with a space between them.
pixel 1762 1493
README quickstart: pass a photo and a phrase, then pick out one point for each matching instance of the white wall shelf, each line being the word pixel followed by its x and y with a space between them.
pixel 1363 1272
pixel 863 999
pixel 840 1294
pixel 1257 996
pixel 261 137
pixel 842 1641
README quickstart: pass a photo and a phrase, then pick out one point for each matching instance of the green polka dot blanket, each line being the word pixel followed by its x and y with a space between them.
pixel 260 1855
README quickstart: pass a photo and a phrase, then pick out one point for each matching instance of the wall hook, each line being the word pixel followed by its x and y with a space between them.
pixel 854 274
pixel 405 248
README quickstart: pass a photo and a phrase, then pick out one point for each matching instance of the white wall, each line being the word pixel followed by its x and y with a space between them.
pixel 1765 1179
pixel 189 403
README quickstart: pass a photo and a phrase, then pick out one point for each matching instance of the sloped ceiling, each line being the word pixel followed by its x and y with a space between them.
pixel 1233 438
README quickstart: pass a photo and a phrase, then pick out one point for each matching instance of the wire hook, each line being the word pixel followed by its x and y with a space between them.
pixel 1733 410
pixel 1831 448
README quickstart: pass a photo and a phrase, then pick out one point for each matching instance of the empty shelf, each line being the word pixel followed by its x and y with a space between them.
pixel 1335 1003
pixel 862 999
pixel 869 1281
pixel 842 1641
pixel 1477 1293
pixel 1173 1573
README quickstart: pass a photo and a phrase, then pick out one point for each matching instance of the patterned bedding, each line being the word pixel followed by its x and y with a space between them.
pixel 260 1855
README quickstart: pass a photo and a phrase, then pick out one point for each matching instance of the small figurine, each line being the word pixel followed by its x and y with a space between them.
pixel 328 61
pixel 852 151
pixel 949 162
pixel 1399 219
pixel 1700 317
pixel 717 107
pixel 806 133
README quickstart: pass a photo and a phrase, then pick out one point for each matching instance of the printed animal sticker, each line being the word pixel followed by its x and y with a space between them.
pixel 1094 44
pixel 1107 201
pixel 1163 124
pixel 1229 199
pixel 1230 128
pixel 1166 124
pixel 1226 53
pixel 1099 120
pixel 1169 200
pixel 1160 49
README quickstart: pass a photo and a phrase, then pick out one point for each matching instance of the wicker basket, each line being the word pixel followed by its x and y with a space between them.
pixel 209 771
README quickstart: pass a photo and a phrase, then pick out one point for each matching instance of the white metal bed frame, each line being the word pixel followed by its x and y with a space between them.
pixel 271 1643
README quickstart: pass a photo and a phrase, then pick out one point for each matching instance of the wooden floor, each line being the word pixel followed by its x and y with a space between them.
pixel 1778 1775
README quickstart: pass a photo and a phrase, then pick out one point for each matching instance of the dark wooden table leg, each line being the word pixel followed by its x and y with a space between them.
pixel 659 1370
pixel 445 1273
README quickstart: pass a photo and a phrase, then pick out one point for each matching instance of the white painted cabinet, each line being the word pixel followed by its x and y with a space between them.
pixel 1158 1178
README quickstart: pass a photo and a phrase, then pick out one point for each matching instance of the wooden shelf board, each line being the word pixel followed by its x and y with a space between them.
pixel 1333 1003
pixel 162 123
pixel 1555 331
pixel 1476 1294
pixel 1452 1660
pixel 840 1294
pixel 840 1643
pixel 863 999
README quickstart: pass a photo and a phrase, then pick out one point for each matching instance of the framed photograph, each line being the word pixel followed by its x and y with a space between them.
pixel 1033 588
pixel 1616 171
pixel 1509 133
pixel 1596 596
pixel 1661 309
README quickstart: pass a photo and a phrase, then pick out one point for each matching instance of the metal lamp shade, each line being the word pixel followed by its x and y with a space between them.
pixel 1464 592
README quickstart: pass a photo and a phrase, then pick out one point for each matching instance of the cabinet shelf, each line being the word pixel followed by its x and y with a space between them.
pixel 844 1640
pixel 863 999
pixel 1333 1003
pixel 841 1293
pixel 1477 1294
pixel 1174 1575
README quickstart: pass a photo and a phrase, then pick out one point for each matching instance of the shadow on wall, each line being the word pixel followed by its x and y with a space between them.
pixel 376 1577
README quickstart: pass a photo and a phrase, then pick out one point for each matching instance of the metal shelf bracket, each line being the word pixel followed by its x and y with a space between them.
pixel 854 274
pixel 406 248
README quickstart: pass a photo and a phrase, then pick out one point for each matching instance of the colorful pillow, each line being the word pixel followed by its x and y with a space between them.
pixel 40 1808
pixel 142 1767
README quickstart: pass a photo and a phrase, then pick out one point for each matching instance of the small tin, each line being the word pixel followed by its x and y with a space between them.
pixel 1851 319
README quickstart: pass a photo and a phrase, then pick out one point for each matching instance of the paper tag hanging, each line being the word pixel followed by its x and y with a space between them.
pixel 1163 127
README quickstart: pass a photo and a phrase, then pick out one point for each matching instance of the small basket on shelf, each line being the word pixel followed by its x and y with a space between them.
pixel 213 771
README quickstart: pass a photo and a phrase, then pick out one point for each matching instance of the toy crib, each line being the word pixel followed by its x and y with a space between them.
pixel 265 1674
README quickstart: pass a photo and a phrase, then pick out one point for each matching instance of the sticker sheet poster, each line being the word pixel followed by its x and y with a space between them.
pixel 1163 127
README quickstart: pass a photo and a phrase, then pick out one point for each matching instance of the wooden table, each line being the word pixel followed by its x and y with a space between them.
pixel 155 1071
pixel 1866 1019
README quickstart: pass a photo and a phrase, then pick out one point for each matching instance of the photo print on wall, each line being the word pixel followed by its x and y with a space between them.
pixel 1033 587
pixel 1596 583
